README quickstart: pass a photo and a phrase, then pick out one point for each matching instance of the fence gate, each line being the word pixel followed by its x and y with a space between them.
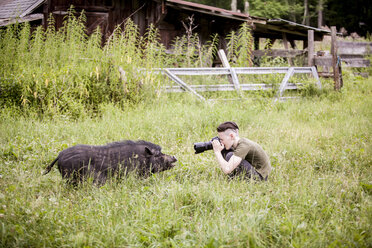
pixel 232 73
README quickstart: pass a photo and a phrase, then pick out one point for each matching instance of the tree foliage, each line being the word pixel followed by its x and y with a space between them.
pixel 269 9
pixel 352 15
pixel 355 16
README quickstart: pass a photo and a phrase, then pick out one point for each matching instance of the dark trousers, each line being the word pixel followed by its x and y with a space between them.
pixel 244 169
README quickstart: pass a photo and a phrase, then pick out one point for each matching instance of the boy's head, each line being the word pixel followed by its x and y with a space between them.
pixel 227 125
pixel 227 132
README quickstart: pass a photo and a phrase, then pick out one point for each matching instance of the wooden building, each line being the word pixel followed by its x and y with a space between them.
pixel 167 15
pixel 12 11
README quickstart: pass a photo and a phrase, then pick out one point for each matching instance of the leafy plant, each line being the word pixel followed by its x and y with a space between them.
pixel 240 46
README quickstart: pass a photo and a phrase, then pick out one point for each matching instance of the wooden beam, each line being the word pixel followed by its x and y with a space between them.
pixel 335 61
pixel 285 30
pixel 284 82
pixel 316 76
pixel 81 7
pixel 228 87
pixel 354 48
pixel 277 53
pixel 256 43
pixel 293 44
pixel 348 62
pixel 233 78
pixel 310 48
pixel 285 43
pixel 182 84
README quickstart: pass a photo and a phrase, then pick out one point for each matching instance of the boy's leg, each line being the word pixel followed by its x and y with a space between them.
pixel 244 168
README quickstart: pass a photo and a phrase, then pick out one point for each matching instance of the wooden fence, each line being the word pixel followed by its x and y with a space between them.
pixel 350 54
pixel 328 63
pixel 343 53
pixel 232 75
pixel 232 72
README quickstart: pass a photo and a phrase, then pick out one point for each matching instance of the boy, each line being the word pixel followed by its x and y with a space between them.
pixel 241 155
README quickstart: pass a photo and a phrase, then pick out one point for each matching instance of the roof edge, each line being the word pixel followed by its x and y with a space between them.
pixel 28 18
pixel 270 21
pixel 32 8
pixel 217 11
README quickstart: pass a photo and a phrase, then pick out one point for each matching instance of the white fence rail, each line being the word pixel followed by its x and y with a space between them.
pixel 232 74
pixel 181 86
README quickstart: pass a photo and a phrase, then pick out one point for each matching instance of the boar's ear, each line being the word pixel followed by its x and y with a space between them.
pixel 148 151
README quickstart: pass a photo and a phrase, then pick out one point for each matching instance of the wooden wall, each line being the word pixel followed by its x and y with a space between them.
pixel 109 13
pixel 106 13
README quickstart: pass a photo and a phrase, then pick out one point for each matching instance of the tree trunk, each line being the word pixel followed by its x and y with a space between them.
pixel 246 7
pixel 234 5
pixel 306 20
pixel 320 13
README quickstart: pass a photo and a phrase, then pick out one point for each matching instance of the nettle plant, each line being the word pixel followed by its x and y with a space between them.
pixel 67 72
pixel 240 46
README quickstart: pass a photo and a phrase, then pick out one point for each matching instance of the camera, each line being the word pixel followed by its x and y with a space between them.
pixel 204 146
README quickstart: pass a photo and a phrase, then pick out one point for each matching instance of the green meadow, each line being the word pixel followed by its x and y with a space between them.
pixel 318 194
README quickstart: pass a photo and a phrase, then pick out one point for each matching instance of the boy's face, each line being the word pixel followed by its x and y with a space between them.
pixel 227 139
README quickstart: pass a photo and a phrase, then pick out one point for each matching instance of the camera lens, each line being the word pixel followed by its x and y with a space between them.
pixel 202 146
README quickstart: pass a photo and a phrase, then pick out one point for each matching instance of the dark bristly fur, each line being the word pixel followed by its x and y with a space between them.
pixel 117 159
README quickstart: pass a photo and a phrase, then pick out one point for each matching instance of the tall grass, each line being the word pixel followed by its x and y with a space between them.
pixel 50 72
pixel 318 195
pixel 66 72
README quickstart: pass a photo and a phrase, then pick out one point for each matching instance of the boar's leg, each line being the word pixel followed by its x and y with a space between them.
pixel 72 179
pixel 73 176
pixel 100 178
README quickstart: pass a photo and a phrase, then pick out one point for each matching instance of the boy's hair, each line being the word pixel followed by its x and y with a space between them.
pixel 227 125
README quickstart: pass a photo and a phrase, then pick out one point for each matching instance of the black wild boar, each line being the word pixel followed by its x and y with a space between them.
pixel 116 159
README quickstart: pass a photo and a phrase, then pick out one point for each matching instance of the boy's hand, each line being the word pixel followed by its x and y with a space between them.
pixel 217 146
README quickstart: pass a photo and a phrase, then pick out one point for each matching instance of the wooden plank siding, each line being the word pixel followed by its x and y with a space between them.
pixel 351 54
pixel 107 13
pixel 167 18
pixel 168 15
pixel 347 62
pixel 354 48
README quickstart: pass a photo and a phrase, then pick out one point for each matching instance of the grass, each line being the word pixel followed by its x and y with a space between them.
pixel 318 194
pixel 61 88
pixel 65 72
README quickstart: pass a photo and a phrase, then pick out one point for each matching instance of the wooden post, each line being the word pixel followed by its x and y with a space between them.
pixel 233 78
pixel 336 72
pixel 123 79
pixel 256 43
pixel 285 43
pixel 293 44
pixel 310 47
pixel 182 84
pixel 305 44
pixel 284 82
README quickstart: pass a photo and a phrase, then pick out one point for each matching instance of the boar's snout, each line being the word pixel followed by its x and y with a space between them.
pixel 170 160
pixel 173 159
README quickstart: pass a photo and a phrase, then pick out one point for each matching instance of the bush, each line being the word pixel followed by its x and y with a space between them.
pixel 65 72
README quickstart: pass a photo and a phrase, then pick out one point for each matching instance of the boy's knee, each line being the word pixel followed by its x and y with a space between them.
pixel 228 155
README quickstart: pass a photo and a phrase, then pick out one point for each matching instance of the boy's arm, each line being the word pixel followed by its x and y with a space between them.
pixel 226 166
